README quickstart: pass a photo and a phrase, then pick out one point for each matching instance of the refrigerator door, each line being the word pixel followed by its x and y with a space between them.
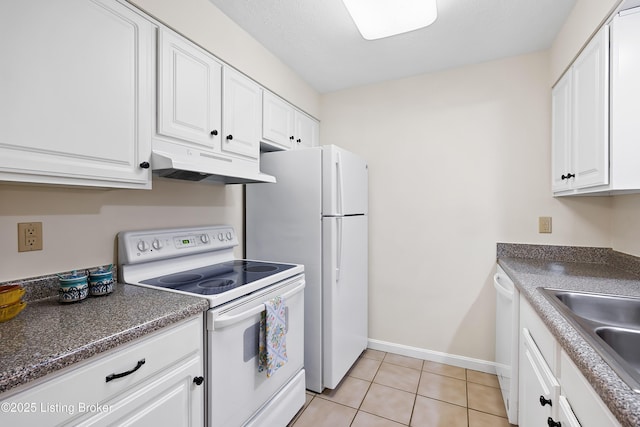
pixel 344 287
pixel 344 181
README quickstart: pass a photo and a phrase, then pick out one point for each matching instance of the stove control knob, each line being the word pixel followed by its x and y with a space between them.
pixel 229 235
pixel 143 246
pixel 157 244
pixel 204 238
pixel 221 237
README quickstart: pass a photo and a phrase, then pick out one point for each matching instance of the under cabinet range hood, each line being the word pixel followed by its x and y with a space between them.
pixel 195 165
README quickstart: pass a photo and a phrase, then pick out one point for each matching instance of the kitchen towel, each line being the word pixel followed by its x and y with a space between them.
pixel 273 343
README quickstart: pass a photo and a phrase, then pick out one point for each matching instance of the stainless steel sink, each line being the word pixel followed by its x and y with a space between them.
pixel 609 309
pixel 610 323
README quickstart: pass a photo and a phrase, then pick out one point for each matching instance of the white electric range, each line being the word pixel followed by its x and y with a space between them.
pixel 199 261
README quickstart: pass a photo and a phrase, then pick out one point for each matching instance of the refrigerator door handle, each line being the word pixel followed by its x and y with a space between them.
pixel 340 184
pixel 339 249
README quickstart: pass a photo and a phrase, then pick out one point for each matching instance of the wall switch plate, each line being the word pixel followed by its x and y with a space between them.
pixel 29 236
pixel 544 224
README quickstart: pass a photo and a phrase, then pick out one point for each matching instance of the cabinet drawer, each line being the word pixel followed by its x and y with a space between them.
pixel 539 333
pixel 72 392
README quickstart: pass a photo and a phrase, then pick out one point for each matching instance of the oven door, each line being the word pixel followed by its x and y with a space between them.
pixel 236 390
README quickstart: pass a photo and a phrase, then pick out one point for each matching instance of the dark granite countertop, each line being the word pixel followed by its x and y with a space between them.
pixel 47 335
pixel 605 272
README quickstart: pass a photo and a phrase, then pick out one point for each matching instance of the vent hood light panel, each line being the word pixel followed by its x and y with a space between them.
pixel 377 19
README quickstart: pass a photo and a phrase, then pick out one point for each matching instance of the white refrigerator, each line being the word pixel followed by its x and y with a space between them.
pixel 316 215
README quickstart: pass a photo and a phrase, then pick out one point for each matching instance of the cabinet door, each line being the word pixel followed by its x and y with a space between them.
pixel 277 121
pixel 170 400
pixel 590 109
pixel 537 385
pixel 242 114
pixel 306 130
pixel 75 93
pixel 565 414
pixel 561 134
pixel 189 92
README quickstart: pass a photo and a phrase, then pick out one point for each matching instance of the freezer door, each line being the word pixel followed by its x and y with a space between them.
pixel 345 177
pixel 345 294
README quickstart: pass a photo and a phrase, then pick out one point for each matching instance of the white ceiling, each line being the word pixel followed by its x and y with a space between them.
pixel 318 39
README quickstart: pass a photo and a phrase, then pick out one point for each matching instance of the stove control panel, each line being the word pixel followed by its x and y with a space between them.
pixel 149 245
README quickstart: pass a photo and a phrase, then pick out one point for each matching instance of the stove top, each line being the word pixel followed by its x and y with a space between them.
pixel 218 278
pixel 197 261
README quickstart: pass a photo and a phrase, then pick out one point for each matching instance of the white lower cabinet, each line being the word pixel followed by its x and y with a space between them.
pixel 552 390
pixel 583 401
pixel 76 87
pixel 157 380
pixel 538 388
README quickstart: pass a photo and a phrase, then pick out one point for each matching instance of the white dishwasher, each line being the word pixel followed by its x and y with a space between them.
pixel 507 327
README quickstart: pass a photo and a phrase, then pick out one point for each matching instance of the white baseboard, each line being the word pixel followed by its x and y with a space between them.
pixel 434 356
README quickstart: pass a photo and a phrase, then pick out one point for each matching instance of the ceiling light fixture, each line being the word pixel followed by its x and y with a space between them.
pixel 376 19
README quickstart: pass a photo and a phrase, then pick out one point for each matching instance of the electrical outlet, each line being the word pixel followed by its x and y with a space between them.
pixel 544 224
pixel 29 236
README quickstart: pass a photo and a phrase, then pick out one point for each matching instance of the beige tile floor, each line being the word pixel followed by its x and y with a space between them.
pixel 389 390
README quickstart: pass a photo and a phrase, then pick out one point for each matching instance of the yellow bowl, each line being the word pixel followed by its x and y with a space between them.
pixel 10 294
pixel 8 312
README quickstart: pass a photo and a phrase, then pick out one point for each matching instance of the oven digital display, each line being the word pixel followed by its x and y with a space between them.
pixel 184 242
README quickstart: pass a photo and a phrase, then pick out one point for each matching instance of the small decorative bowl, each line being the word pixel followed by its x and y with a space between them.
pixel 8 312
pixel 101 282
pixel 10 294
pixel 73 293
pixel 73 287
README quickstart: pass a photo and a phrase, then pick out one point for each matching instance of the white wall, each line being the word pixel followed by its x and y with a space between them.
pixel 458 161
pixel 584 20
pixel 80 225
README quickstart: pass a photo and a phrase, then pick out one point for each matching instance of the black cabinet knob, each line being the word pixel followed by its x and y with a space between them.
pixel 552 423
pixel 145 165
pixel 298 141
pixel 229 137
pixel 214 132
pixel 567 176
pixel 544 401
pixel 291 137
pixel 198 380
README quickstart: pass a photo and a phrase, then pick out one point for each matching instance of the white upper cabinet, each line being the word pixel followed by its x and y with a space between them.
pixel 242 114
pixel 306 130
pixel 76 97
pixel 580 109
pixel 590 113
pixel 625 100
pixel 277 121
pixel 561 134
pixel 189 92
pixel 596 133
pixel 285 127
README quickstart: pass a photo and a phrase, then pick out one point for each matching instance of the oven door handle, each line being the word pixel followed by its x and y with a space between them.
pixel 227 320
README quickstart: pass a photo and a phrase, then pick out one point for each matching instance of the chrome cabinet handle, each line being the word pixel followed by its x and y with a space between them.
pixel 124 374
